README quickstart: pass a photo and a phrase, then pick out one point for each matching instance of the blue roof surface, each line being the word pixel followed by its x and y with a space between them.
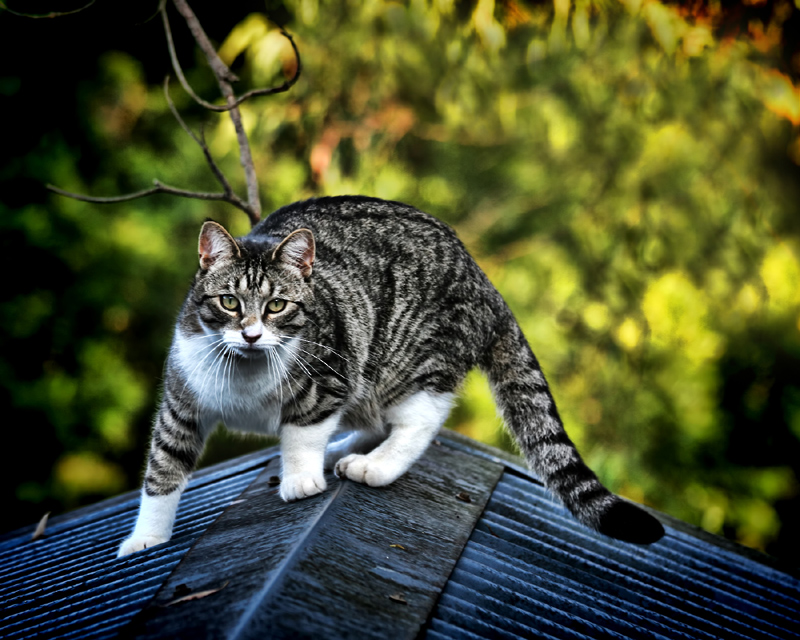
pixel 69 583
pixel 530 570
pixel 467 545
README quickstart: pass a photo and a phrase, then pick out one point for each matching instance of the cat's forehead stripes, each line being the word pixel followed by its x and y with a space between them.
pixel 261 286
pixel 250 279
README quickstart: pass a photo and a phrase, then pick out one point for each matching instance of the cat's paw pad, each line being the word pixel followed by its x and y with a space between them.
pixel 361 469
pixel 301 485
pixel 137 543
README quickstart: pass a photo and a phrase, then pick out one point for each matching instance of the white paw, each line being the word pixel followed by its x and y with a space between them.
pixel 301 485
pixel 137 543
pixel 361 469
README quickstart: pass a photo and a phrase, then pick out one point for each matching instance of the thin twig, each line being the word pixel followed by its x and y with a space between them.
pixel 287 84
pixel 159 187
pixel 207 153
pixel 227 195
pixel 150 17
pixel 224 78
pixel 52 14
pixel 219 68
pixel 222 74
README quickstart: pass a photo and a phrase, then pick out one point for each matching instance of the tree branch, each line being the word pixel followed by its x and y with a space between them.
pixel 209 159
pixel 158 188
pixel 252 93
pixel 224 77
pixel 52 14
pixel 227 195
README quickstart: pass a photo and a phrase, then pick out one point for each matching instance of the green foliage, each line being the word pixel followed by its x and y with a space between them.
pixel 622 177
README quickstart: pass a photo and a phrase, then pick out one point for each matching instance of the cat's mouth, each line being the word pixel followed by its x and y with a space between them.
pixel 246 350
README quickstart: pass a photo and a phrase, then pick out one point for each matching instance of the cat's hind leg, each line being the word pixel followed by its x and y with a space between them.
pixel 414 423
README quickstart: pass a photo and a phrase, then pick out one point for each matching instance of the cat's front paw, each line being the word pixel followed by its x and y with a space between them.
pixel 137 543
pixel 301 485
pixel 362 469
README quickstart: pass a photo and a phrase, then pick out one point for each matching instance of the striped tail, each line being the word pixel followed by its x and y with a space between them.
pixel 528 408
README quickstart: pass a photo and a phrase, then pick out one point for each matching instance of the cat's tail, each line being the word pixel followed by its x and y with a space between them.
pixel 524 399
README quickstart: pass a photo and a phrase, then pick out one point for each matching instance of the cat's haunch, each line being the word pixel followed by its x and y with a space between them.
pixel 357 315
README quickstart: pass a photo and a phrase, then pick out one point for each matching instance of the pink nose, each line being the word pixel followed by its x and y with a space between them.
pixel 251 338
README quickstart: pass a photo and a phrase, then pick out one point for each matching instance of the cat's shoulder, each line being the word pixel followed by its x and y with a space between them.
pixel 331 211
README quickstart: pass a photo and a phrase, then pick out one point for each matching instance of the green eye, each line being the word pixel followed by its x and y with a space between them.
pixel 276 306
pixel 229 302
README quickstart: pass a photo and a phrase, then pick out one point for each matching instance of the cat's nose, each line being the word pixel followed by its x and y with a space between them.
pixel 251 335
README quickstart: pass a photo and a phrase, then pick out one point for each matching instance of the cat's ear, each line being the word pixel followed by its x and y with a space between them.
pixel 216 245
pixel 297 250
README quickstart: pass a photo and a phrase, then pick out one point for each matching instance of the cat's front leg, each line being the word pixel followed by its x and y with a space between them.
pixel 414 424
pixel 154 523
pixel 175 446
pixel 303 458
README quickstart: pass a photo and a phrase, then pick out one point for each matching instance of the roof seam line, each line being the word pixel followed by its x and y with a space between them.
pixel 286 565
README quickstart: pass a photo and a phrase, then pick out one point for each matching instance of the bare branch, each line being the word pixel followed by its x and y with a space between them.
pixel 151 16
pixel 224 77
pixel 199 140
pixel 227 195
pixel 102 200
pixel 222 73
pixel 52 14
pixel 158 188
pixel 176 65
pixel 220 69
pixel 252 93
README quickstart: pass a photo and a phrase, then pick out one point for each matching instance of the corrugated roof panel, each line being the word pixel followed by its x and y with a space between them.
pixel 530 570
pixel 662 566
pixel 357 561
pixel 69 584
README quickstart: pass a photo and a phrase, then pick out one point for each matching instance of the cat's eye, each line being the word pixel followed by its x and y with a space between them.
pixel 229 302
pixel 276 306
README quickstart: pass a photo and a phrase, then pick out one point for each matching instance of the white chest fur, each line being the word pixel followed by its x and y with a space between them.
pixel 241 392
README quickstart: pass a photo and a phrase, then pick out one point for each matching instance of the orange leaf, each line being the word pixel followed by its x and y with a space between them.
pixel 197 595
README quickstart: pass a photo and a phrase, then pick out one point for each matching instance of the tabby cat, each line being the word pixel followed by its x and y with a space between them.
pixel 357 315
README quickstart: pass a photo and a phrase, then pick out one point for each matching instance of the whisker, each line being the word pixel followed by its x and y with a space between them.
pixel 268 358
pixel 336 373
pixel 214 369
pixel 273 355
pixel 301 363
pixel 291 391
pixel 333 351
pixel 213 347
pixel 205 335
pixel 229 370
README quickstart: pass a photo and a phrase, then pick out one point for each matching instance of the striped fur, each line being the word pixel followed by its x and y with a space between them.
pixel 384 314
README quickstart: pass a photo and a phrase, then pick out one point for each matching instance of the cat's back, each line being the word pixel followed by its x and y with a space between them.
pixel 390 254
pixel 353 223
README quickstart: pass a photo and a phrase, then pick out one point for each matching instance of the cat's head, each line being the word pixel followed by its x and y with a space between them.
pixel 252 296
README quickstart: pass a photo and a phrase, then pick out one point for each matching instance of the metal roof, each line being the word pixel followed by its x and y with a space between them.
pixel 466 545
pixel 69 583
pixel 529 570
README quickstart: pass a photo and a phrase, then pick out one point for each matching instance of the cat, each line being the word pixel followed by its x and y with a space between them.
pixel 357 315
